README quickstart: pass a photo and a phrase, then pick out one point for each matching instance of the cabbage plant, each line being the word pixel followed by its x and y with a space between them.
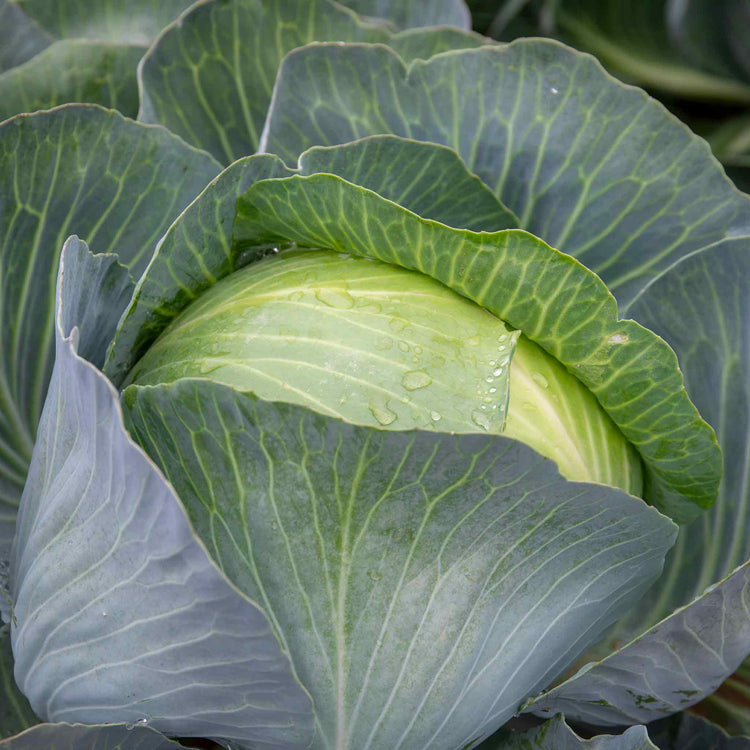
pixel 428 410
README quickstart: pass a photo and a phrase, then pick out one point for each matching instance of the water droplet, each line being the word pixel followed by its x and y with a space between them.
pixel 397 324
pixel 539 379
pixel 553 90
pixel 403 346
pixel 384 343
pixel 489 379
pixel 274 525
pixel 493 390
pixel 497 372
pixel 434 416
pixel 383 414
pixel 618 338
pixel 480 420
pixel 415 379
pixel 337 298
pixel 144 721
pixel 374 575
pixel 104 614
pixel 417 349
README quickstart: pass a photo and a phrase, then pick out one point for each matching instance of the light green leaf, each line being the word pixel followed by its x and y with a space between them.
pixel 134 22
pixel 119 614
pixel 422 583
pixel 670 667
pixel 655 44
pixel 197 250
pixel 20 37
pixel 701 308
pixel 686 731
pixel 81 737
pixel 549 296
pixel 73 71
pixel 78 168
pixel 596 169
pixel 411 15
pixel 210 75
pixel 15 711
pixel 555 734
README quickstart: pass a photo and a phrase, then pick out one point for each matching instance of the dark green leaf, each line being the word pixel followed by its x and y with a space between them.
pixel 410 15
pixel 73 71
pixel 15 711
pixel 596 169
pixel 675 48
pixel 210 76
pixel 555 734
pixel 81 737
pixel 133 22
pixel 422 583
pixel 685 731
pixel 79 169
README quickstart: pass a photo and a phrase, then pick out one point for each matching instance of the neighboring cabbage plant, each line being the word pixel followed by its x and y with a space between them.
pixel 379 436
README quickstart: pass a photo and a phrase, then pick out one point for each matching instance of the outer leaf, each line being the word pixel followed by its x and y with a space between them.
pixel 119 615
pixel 429 180
pixel 120 185
pixel 685 731
pixel 595 168
pixel 134 22
pixel 672 666
pixel 15 711
pixel 209 76
pixel 81 737
pixel 197 250
pixel 636 41
pixel 555 734
pixel 20 37
pixel 423 583
pixel 411 15
pixel 73 71
pixel 554 300
pixel 701 308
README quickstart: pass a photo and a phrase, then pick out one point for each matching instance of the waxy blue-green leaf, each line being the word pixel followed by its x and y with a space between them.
pixel 210 75
pixel 77 168
pixel 672 666
pixel 595 168
pixel 413 15
pixel 73 70
pixel 679 48
pixel 20 36
pixel 701 308
pixel 555 734
pixel 15 711
pixel 197 250
pixel 422 583
pixel 96 737
pixel 548 295
pixel 119 614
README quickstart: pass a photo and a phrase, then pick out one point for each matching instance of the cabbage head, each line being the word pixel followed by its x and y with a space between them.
pixel 391 388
